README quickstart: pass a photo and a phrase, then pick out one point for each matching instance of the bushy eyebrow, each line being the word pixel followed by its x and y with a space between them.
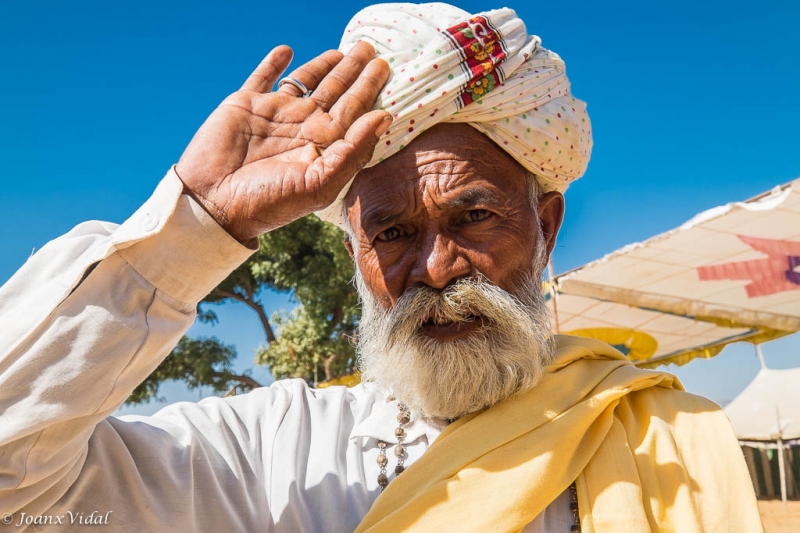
pixel 474 197
pixel 379 218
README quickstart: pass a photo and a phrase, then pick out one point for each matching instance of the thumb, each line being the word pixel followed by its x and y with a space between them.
pixel 346 157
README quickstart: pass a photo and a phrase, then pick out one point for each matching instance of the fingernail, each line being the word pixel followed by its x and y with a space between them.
pixel 383 126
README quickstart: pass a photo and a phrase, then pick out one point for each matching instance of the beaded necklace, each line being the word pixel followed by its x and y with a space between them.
pixel 403 418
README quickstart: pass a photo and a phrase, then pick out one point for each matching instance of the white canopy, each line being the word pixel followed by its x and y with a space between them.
pixel 730 274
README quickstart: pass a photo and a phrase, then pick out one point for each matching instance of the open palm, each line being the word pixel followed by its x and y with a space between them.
pixel 263 159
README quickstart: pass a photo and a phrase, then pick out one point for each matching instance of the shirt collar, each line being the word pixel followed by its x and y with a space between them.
pixel 381 422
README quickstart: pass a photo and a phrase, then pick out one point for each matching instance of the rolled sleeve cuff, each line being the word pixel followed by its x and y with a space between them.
pixel 183 252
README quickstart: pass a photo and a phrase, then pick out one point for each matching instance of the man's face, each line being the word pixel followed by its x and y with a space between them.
pixel 452 204
pixel 449 250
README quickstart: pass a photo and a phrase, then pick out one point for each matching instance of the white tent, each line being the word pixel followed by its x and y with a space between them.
pixel 766 416
pixel 769 408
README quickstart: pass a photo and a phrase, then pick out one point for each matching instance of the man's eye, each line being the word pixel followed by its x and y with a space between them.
pixel 476 215
pixel 388 235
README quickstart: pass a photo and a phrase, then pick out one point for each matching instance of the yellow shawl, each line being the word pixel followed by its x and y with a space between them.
pixel 646 456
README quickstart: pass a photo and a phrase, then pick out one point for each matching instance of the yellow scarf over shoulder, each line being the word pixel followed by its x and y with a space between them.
pixel 646 456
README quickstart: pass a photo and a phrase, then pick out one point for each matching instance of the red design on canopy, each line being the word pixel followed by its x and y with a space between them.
pixel 776 273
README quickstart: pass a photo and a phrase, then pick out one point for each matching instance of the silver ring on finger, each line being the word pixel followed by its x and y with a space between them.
pixel 304 92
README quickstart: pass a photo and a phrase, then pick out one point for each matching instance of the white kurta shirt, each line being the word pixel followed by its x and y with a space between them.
pixel 89 317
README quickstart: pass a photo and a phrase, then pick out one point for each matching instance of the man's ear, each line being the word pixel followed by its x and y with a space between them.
pixel 551 214
pixel 349 246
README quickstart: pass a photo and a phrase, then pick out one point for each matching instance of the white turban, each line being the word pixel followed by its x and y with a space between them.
pixel 485 70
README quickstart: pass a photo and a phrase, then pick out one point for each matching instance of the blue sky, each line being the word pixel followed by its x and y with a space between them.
pixel 694 104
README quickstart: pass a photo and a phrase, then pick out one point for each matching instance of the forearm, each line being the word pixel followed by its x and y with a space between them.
pixel 88 318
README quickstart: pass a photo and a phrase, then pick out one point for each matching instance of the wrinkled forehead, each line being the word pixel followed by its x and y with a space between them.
pixel 445 158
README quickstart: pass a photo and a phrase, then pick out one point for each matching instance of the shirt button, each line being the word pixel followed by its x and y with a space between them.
pixel 149 222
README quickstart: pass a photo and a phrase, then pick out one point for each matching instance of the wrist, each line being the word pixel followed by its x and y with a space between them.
pixel 219 215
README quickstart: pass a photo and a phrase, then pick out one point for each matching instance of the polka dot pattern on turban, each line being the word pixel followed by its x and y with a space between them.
pixel 484 70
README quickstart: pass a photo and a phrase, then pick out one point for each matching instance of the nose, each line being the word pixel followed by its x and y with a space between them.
pixel 440 261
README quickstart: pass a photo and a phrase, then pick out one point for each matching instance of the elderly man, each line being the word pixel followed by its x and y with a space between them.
pixel 472 418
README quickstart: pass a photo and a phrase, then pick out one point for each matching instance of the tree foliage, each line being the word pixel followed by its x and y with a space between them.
pixel 307 259
pixel 196 362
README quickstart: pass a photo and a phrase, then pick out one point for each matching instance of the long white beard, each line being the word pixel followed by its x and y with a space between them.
pixel 449 379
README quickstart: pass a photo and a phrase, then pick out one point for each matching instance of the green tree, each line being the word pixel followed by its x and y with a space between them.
pixel 307 259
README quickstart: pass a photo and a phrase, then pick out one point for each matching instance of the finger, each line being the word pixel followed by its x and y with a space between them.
pixel 311 73
pixel 269 70
pixel 334 85
pixel 360 97
pixel 344 158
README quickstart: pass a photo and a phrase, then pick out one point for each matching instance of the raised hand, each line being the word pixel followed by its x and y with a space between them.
pixel 263 159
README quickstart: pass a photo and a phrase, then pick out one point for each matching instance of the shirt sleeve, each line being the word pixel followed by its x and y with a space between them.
pixel 83 322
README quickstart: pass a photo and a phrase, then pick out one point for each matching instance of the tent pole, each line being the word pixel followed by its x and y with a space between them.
pixel 760 356
pixel 553 293
pixel 782 469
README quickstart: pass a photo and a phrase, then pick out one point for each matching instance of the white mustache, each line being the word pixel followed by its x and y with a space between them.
pixel 465 300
